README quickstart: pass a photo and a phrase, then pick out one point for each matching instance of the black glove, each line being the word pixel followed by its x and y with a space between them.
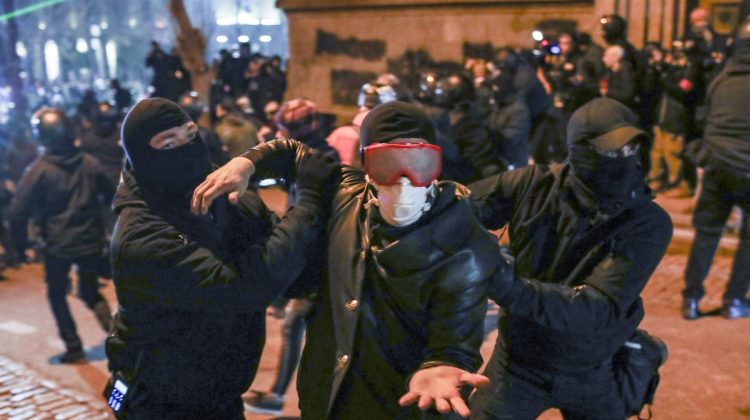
pixel 502 282
pixel 314 170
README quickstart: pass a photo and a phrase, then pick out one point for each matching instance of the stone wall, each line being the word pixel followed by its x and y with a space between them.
pixel 336 45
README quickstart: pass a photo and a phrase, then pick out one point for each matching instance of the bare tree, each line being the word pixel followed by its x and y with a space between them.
pixel 191 45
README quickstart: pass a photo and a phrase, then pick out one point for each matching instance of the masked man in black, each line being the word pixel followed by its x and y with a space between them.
pixel 63 191
pixel 193 289
pixel 586 237
pixel 406 269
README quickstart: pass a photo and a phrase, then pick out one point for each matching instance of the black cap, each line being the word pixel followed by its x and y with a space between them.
pixel 605 123
pixel 395 120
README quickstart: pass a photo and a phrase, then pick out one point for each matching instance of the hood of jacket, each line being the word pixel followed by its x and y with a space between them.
pixel 68 159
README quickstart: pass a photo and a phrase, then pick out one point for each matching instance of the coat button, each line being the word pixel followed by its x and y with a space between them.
pixel 343 359
pixel 352 305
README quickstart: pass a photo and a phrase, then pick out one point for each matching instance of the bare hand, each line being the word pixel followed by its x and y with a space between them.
pixel 440 386
pixel 231 178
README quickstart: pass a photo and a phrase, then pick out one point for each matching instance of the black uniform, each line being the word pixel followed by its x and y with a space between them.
pixel 582 258
pixel 63 191
pixel 726 181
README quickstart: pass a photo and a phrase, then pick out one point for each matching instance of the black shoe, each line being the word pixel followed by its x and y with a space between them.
pixel 73 356
pixel 736 308
pixel 690 308
pixel 264 403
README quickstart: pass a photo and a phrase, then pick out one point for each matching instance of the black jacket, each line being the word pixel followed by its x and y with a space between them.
pixel 193 314
pixel 474 156
pixel 107 150
pixel 64 194
pixel 727 133
pixel 391 299
pixel 581 273
pixel 509 127
pixel 622 84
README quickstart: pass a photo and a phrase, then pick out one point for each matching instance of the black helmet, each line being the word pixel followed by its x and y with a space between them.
pixel 193 105
pixel 615 28
pixel 427 85
pixel 52 128
pixel 454 89
pixel 105 119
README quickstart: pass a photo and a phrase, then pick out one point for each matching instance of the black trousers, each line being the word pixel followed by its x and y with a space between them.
pixel 58 283
pixel 721 190
pixel 520 391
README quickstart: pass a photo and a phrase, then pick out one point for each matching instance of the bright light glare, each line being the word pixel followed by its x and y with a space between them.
pixel 104 24
pixel 95 30
pixel 222 39
pixel 132 22
pixel 243 39
pixel 52 60
pixel 265 38
pixel 82 46
pixel 537 35
pixel 21 49
pixel 111 49
pixel 42 26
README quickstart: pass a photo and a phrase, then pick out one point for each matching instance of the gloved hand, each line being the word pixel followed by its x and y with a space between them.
pixel 502 282
pixel 314 170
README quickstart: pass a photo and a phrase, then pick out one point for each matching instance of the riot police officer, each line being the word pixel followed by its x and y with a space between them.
pixel 62 191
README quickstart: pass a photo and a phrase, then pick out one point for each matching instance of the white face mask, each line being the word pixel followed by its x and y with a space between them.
pixel 402 204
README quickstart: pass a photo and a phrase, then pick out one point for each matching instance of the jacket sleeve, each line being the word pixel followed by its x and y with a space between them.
pixel 164 267
pixel 457 310
pixel 277 159
pixel 29 196
pixel 604 296
pixel 495 195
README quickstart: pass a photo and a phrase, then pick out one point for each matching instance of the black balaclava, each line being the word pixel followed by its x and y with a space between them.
pixel 168 176
pixel 607 125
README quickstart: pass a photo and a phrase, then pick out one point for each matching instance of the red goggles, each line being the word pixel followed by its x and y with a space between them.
pixel 386 163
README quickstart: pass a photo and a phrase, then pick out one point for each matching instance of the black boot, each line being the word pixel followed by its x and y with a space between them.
pixel 690 308
pixel 103 315
pixel 735 308
pixel 73 348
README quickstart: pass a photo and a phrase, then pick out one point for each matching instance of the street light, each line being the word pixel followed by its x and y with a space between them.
pixel 265 38
pixel 242 39
pixel 81 46
pixel 222 39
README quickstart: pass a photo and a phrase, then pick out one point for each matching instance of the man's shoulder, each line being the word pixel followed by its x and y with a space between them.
pixel 140 235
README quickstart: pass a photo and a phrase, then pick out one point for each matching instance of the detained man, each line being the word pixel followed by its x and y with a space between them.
pixel 398 318
pixel 192 290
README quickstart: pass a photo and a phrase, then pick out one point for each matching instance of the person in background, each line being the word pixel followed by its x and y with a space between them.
pixel 236 133
pixel 161 66
pixel 509 123
pixel 618 81
pixel 468 153
pixel 345 139
pixel 725 183
pixel 194 106
pixel 679 81
pixel 63 191
pixel 299 119
pixel 102 141
pixel 268 130
pixel 123 98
